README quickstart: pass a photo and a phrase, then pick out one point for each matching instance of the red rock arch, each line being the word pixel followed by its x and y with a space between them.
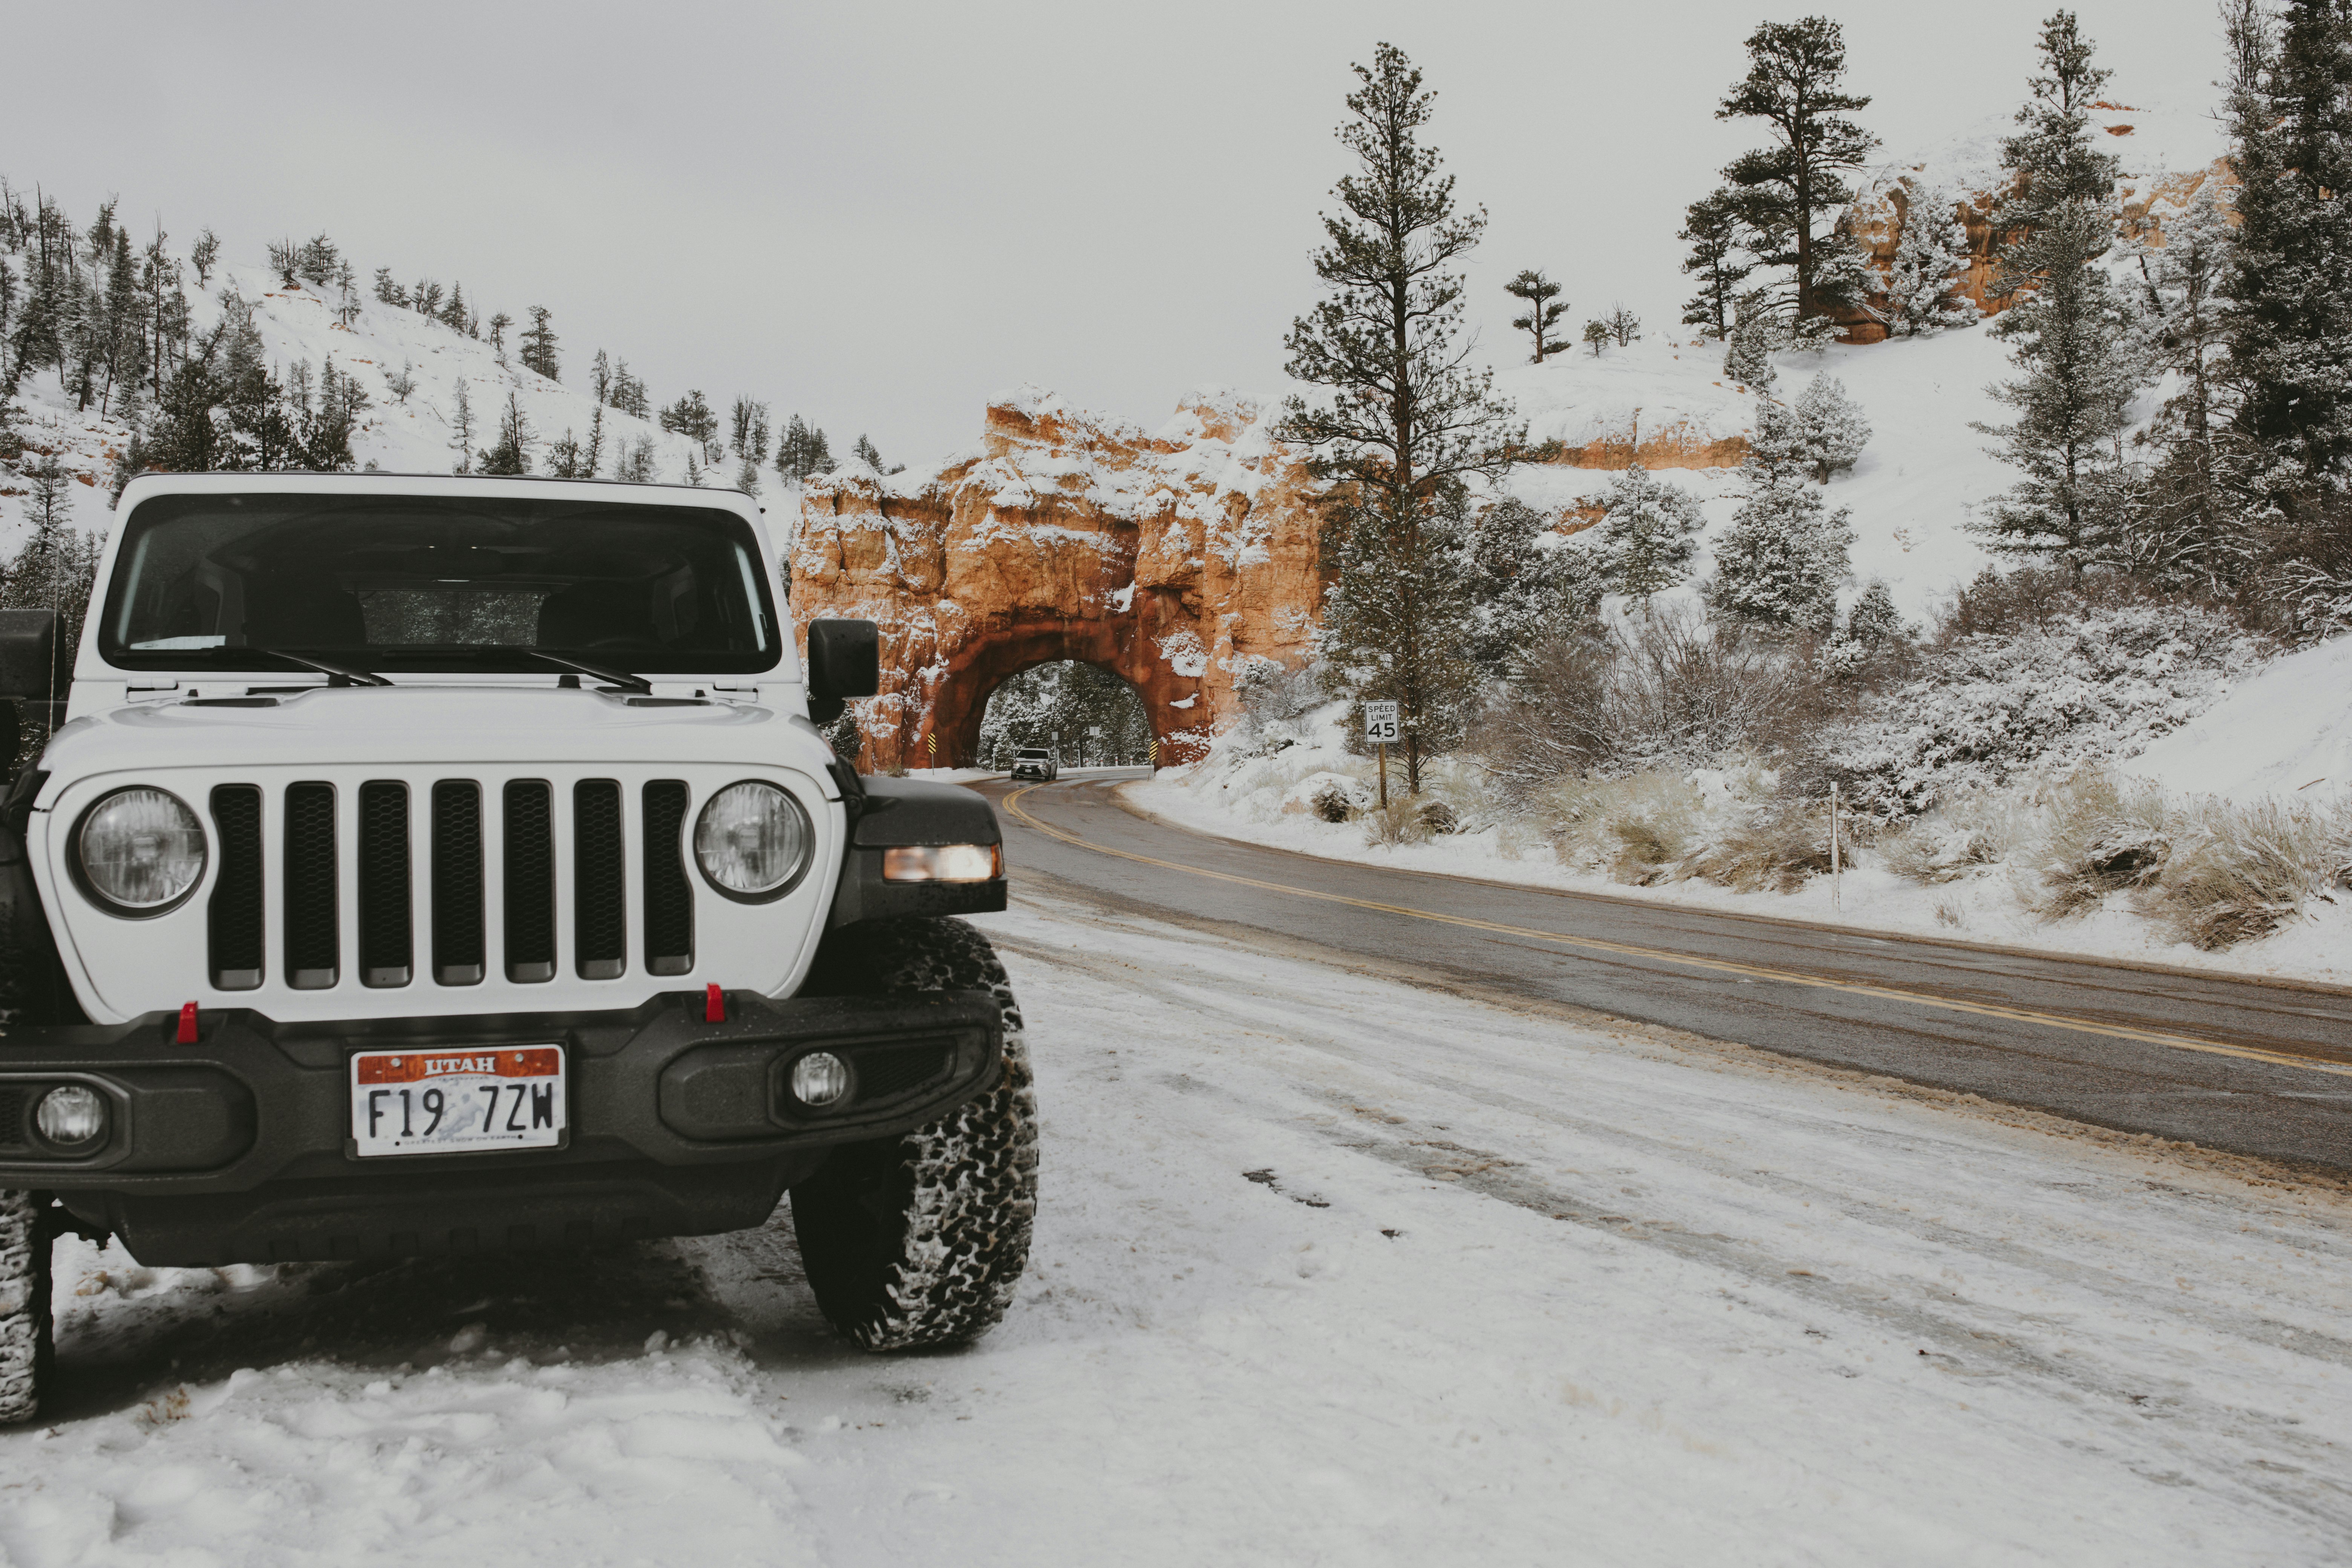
pixel 973 674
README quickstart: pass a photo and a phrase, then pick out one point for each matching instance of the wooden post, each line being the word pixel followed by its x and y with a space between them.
pixel 1384 775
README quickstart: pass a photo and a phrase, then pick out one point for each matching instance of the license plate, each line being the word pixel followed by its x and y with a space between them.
pixel 454 1101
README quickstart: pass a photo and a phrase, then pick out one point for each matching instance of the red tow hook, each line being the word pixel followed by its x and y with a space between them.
pixel 714 1007
pixel 187 1031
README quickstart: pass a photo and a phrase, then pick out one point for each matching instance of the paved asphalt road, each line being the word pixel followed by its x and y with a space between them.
pixel 2259 1067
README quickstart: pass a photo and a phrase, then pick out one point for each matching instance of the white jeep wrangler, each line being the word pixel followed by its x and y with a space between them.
pixel 431 864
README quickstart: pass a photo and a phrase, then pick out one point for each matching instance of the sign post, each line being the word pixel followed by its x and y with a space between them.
pixel 1380 729
pixel 932 745
pixel 1837 901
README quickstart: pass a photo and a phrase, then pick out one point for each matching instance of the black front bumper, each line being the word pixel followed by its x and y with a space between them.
pixel 238 1148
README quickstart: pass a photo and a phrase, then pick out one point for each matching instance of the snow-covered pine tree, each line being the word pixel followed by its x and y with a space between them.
pixel 1756 334
pixel 512 455
pixel 633 461
pixel 318 261
pixel 2067 326
pixel 1873 622
pixel 1795 85
pixel 1544 308
pixel 1718 258
pixel 1596 337
pixel 566 459
pixel 694 466
pixel 1784 557
pixel 867 453
pixel 801 452
pixel 424 298
pixel 600 372
pixel 1648 533
pixel 461 428
pixel 747 477
pixel 1527 583
pixel 592 451
pixel 1831 428
pixel 538 342
pixel 499 325
pixel 1623 326
pixel 286 260
pixel 1408 422
pixel 2190 531
pixel 1931 260
pixel 454 314
pixel 692 417
pixel 203 255
pixel 386 291
pixel 402 382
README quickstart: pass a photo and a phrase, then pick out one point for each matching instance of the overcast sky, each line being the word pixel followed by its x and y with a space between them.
pixel 880 214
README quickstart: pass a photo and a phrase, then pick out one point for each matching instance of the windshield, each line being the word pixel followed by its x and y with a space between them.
pixel 437 582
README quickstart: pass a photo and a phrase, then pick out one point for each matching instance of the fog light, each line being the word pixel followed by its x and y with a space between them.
pixel 71 1115
pixel 943 863
pixel 820 1078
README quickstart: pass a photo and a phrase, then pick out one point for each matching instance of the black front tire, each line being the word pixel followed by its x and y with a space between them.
pixel 920 1241
pixel 27 1342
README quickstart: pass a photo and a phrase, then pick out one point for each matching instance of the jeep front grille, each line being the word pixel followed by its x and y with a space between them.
pixel 390 887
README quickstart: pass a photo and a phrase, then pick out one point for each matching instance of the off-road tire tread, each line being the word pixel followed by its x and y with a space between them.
pixel 26 1238
pixel 920 1241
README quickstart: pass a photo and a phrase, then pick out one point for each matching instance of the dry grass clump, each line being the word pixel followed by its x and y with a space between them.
pixel 1774 847
pixel 2098 835
pixel 2240 872
pixel 1635 829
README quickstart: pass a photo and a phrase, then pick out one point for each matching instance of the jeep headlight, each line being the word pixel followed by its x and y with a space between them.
pixel 139 851
pixel 753 840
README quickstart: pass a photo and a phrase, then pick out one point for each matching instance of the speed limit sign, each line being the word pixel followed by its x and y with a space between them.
pixel 1381 722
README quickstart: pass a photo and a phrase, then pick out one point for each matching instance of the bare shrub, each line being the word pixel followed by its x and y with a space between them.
pixel 1398 822
pixel 1331 802
pixel 1437 817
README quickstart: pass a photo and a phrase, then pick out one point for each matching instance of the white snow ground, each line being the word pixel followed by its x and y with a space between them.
pixel 1329 1268
pixel 2284 731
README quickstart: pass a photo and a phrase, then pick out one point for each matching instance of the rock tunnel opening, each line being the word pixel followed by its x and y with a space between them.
pixel 1086 713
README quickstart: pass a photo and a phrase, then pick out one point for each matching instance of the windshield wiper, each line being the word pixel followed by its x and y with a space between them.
pixel 620 677
pixel 337 674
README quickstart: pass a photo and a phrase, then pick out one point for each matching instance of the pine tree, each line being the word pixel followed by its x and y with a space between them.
pixel 1783 558
pixel 694 466
pixel 387 292
pixel 1543 310
pixel 1596 337
pixel 866 453
pixel 1648 534
pixel 692 417
pixel 1875 622
pixel 203 255
pixel 403 382
pixel 461 430
pixel 1408 424
pixel 453 314
pixel 1795 85
pixel 512 455
pixel 2068 326
pixel 592 451
pixel 2190 531
pixel 747 477
pixel 629 395
pixel 600 369
pixel 1931 260
pixel 425 298
pixel 1718 258
pixel 633 461
pixel 1756 334
pixel 1623 325
pixel 566 459
pixel 539 342
pixel 1527 583
pixel 319 260
pixel 286 260
pixel 1831 427
pixel 748 430
pixel 2289 112
pixel 801 452
pixel 347 294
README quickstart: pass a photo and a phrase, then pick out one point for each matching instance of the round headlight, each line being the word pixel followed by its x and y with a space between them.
pixel 753 840
pixel 70 1114
pixel 140 850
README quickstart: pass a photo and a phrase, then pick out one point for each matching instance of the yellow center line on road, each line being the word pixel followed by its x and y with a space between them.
pixel 1714 965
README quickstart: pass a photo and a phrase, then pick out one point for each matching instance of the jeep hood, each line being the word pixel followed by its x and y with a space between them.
pixel 429 725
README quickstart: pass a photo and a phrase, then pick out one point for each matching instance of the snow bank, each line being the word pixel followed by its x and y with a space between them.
pixel 2285 729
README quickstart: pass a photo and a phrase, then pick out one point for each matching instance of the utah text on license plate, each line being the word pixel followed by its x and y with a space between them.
pixel 453 1102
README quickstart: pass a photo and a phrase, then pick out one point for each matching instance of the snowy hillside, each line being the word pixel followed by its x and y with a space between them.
pixel 1911 493
pixel 396 435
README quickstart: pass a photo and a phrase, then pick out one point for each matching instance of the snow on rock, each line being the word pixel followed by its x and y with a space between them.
pixel 2285 729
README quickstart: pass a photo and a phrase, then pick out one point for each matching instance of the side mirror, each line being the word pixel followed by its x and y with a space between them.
pixel 845 660
pixel 28 645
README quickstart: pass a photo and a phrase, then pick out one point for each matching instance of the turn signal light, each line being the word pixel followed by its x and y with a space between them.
pixel 943 863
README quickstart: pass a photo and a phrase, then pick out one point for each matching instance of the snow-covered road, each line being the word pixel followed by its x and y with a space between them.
pixel 1328 1269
